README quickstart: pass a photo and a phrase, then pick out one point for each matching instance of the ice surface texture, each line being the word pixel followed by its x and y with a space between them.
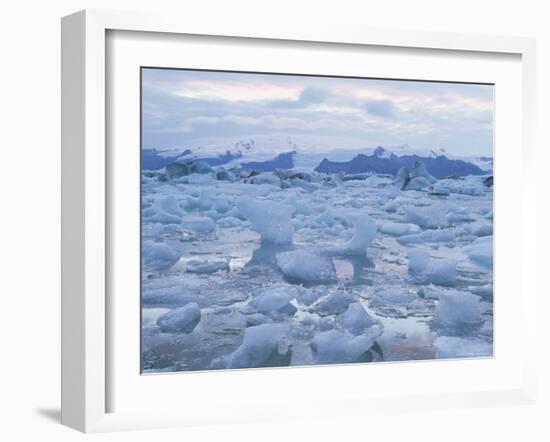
pixel 266 268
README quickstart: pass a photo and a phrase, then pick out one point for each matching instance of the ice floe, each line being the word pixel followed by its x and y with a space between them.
pixel 356 320
pixel 419 171
pixel 304 266
pixel 481 251
pixel 265 345
pixel 335 346
pixel 198 224
pixel 439 235
pixel 426 270
pixel 457 312
pixel 363 234
pixel 158 255
pixel 274 301
pixel 335 303
pixel 164 210
pixel 429 217
pixel 180 320
pixel 397 229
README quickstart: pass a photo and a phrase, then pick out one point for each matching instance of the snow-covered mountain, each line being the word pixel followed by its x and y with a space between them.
pixel 266 153
pixel 243 151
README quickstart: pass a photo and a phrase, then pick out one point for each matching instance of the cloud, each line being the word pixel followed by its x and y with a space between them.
pixel 313 95
pixel 307 97
pixel 183 109
pixel 381 108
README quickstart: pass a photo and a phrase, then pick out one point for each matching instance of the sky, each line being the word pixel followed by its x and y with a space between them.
pixel 214 110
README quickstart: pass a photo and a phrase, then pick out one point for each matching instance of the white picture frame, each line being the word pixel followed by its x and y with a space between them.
pixel 86 207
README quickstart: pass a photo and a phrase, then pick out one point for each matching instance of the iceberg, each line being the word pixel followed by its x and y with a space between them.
pixel 363 234
pixel 264 345
pixel 308 296
pixel 402 178
pixel 429 217
pixel 177 170
pixel 431 271
pixel 274 301
pixel 457 312
pixel 199 224
pixel 418 260
pixel 180 320
pixel 419 171
pixel 481 251
pixel 440 272
pixel 306 267
pixel 149 316
pixel 418 183
pixel 482 228
pixel 271 220
pixel 265 178
pixel 164 210
pixel 158 255
pixel 356 320
pixel 334 346
pixel 334 304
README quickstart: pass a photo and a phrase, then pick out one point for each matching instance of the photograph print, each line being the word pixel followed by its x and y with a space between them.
pixel 302 220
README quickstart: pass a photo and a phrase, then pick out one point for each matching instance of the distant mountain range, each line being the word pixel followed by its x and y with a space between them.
pixel 388 163
pixel 380 160
pixel 281 161
pixel 151 159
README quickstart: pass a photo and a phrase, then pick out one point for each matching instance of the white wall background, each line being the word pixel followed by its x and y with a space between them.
pixel 30 220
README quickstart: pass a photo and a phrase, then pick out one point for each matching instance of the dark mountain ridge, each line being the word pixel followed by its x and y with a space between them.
pixel 439 166
pixel 281 161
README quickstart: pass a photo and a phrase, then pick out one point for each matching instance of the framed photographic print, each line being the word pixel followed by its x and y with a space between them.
pixel 300 245
pixel 292 223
